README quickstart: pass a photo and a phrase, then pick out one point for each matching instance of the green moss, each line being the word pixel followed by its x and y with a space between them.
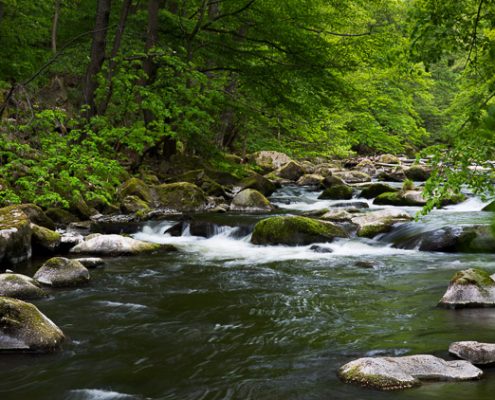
pixel 490 207
pixel 337 192
pixel 391 198
pixel 45 235
pixel 376 189
pixel 371 230
pixel 250 199
pixel 61 216
pixel 135 187
pixel 133 204
pixel 294 231
pixel 407 185
pixel 181 196
pixel 259 183
pixel 354 375
pixel 12 217
pixel 473 276
pixel 418 173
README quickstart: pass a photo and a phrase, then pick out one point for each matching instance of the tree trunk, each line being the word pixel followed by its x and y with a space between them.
pixel 56 14
pixel 97 55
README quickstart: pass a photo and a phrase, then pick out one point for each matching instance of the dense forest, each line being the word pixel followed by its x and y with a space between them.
pixel 91 91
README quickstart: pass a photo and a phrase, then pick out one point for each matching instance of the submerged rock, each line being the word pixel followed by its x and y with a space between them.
pixel 62 272
pixel 250 200
pixel 20 287
pixel 470 288
pixel 474 352
pixel 395 373
pixel 295 231
pixel 181 196
pixel 372 223
pixel 116 245
pixel 24 328
pixel 15 235
pixel 337 192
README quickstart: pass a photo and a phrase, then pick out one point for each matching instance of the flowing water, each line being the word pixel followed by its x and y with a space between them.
pixel 224 319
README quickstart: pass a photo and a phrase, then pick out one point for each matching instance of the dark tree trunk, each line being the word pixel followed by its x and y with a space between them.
pixel 97 54
pixel 56 14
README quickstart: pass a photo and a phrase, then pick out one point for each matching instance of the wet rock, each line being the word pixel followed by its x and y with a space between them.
pixel 474 352
pixel 259 183
pixel 337 192
pixel 395 373
pixel 388 159
pixel 250 200
pixel 270 160
pixel 352 176
pixel 37 216
pixel 367 166
pixel 62 272
pixel 366 264
pixel 418 173
pixel 133 205
pixel 291 171
pixel 376 189
pixel 61 216
pixel 91 262
pixel 116 245
pixel 336 215
pixel 321 249
pixel 24 328
pixel 312 180
pixel 68 240
pixel 181 197
pixel 15 235
pixel 395 174
pixel 20 287
pixel 408 198
pixel 352 205
pixel 44 240
pixel 332 180
pixel 212 188
pixel 114 224
pixel 372 223
pixel 295 231
pixel 470 288
pixel 135 187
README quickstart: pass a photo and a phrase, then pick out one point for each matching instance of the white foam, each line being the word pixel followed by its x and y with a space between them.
pixel 99 394
pixel 132 306
pixel 472 204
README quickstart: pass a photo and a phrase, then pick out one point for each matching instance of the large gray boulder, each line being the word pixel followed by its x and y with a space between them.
pixel 270 160
pixel 472 287
pixel 15 236
pixel 394 373
pixel 181 197
pixel 474 352
pixel 115 245
pixel 259 183
pixel 291 171
pixel 24 328
pixel 250 200
pixel 313 180
pixel 372 223
pixel 20 287
pixel 62 272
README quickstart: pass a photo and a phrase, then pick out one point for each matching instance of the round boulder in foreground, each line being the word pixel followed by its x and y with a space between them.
pixel 20 287
pixel 62 272
pixel 24 328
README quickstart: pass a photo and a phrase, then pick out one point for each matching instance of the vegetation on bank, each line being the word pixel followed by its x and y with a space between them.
pixel 94 91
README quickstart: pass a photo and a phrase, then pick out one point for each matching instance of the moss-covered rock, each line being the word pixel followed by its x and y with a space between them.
pixel 259 183
pixel 24 328
pixel 418 173
pixel 135 187
pixel 313 180
pixel 331 180
pixel 61 216
pixel 62 272
pixel 367 166
pixel 250 200
pixel 352 176
pixel 395 174
pixel 470 288
pixel 181 196
pixel 291 171
pixel 408 198
pixel 212 188
pixel 20 287
pixel 388 159
pixel 37 216
pixel 490 207
pixel 376 189
pixel 270 160
pixel 373 223
pixel 44 240
pixel 133 204
pixel 79 207
pixel 294 231
pixel 337 192
pixel 117 245
pixel 15 236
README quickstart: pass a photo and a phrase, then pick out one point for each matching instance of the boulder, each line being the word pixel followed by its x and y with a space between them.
pixel 408 198
pixel 474 352
pixel 60 216
pixel 414 197
pixel 62 272
pixel 376 189
pixel 367 166
pixel 395 373
pixel 336 215
pixel 324 170
pixel 395 174
pixel 295 230
pixel 135 187
pixel 133 204
pixel 20 287
pixel 44 240
pixel 470 288
pixel 331 180
pixel 24 328
pixel 250 200
pixel 373 223
pixel 15 236
pixel 291 171
pixel 418 173
pixel 116 245
pixel 270 160
pixel 308 167
pixel 337 192
pixel 311 180
pixel 388 159
pixel 37 216
pixel 353 176
pixel 91 262
pixel 181 197
pixel 212 188
pixel 259 183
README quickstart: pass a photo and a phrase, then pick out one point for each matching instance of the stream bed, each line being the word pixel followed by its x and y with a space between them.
pixel 225 319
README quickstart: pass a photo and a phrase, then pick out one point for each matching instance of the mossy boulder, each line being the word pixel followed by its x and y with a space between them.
pixel 79 207
pixel 259 183
pixel 61 216
pixel 337 192
pixel 135 187
pixel 270 160
pixel 408 198
pixel 397 373
pixel 367 166
pixel 212 188
pixel 331 180
pixel 373 223
pixel 134 204
pixel 312 180
pixel 473 287
pixel 388 159
pixel 291 171
pixel 116 245
pixel 24 328
pixel 37 216
pixel 15 236
pixel 250 200
pixel 376 189
pixel 62 272
pixel 352 176
pixel 418 173
pixel 181 196
pixel 294 231
pixel 20 287
pixel 394 174
pixel 44 240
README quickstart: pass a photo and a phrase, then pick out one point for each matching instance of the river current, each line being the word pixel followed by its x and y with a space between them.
pixel 225 319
